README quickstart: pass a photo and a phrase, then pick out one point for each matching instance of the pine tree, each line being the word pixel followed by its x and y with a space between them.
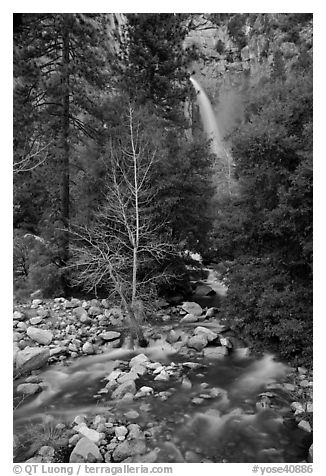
pixel 60 67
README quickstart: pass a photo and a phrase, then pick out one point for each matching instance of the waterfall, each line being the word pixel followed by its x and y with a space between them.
pixel 209 120
pixel 223 167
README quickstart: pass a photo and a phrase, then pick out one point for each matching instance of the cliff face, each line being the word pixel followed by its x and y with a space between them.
pixel 235 51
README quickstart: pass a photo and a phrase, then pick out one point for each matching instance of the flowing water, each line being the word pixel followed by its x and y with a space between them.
pixel 219 416
pixel 234 409
pixel 208 118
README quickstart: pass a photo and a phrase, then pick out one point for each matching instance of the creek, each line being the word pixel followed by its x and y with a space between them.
pixel 231 409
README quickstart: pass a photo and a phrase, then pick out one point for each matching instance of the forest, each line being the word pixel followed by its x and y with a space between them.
pixel 163 198
pixel 84 102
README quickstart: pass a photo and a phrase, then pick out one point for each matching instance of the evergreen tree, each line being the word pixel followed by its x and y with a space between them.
pixel 60 67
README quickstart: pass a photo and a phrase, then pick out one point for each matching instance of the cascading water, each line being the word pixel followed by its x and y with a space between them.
pixel 210 124
pixel 209 119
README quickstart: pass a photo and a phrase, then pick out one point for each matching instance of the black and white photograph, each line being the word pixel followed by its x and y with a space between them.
pixel 162 241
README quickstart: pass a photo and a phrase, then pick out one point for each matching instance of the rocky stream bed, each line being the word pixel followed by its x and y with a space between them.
pixel 194 395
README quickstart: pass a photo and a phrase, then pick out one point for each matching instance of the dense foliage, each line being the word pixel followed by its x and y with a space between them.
pixel 72 87
pixel 267 230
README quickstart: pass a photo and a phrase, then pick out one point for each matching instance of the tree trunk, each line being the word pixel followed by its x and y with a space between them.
pixel 65 140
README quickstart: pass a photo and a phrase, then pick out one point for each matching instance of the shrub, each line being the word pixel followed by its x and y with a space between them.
pixel 269 309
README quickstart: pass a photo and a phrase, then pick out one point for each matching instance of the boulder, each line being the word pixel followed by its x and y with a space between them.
pixel 210 335
pixel 120 432
pixel 36 320
pixel 192 308
pixel 29 388
pixel 22 326
pixel 189 318
pixel 19 316
pixel 128 448
pixel 123 389
pixel 94 311
pixel 85 452
pixel 82 315
pixel 163 376
pixel 204 290
pixel 297 408
pixel 140 359
pixel 134 432
pixel 215 352
pixel 31 358
pixel 144 392
pixel 36 302
pixel 43 313
pixel 198 342
pixel 92 435
pixel 305 426
pixel 110 335
pixel 88 348
pixel 126 377
pixel 211 312
pixel 41 336
pixel 226 342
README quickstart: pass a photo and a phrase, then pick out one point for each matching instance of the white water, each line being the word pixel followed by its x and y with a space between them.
pixel 209 120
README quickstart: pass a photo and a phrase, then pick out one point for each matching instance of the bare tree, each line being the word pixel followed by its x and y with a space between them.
pixel 34 154
pixel 123 248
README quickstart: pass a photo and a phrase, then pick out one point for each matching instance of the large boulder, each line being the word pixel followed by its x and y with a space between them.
pixel 85 452
pixel 31 358
pixel 197 342
pixel 41 336
pixel 210 335
pixel 129 448
pixel 29 388
pixel 192 308
pixel 123 389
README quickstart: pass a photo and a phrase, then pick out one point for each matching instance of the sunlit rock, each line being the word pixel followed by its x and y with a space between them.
pixel 88 348
pixel 28 388
pixel 85 451
pixel 31 358
pixel 41 336
pixel 304 425
pixel 192 308
pixel 120 432
pixel 210 335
